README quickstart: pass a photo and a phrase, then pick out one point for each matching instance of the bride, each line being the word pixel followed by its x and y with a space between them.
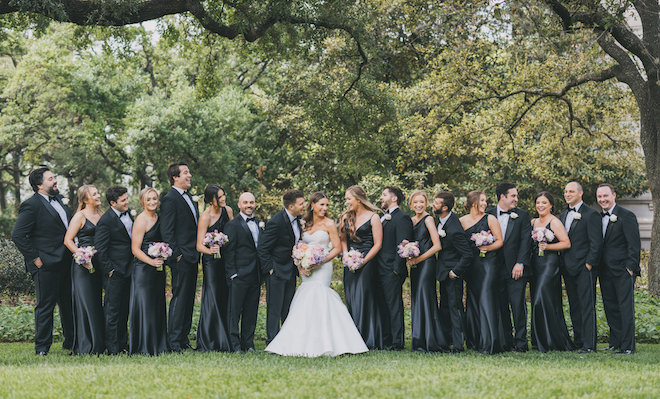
pixel 318 322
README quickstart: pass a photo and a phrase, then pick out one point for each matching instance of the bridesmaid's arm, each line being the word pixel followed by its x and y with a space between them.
pixel 76 223
pixel 560 232
pixel 377 231
pixel 202 226
pixel 139 228
pixel 337 245
pixel 230 212
pixel 435 238
pixel 496 230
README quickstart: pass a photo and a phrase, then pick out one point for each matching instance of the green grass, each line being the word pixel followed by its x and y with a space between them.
pixel 373 375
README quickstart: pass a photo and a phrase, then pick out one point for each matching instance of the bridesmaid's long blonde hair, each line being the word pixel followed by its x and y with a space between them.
pixel 347 222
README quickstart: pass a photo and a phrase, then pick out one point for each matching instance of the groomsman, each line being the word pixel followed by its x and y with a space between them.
pixel 242 266
pixel 618 268
pixel 583 225
pixel 275 247
pixel 392 269
pixel 113 243
pixel 513 260
pixel 453 262
pixel 178 227
pixel 39 235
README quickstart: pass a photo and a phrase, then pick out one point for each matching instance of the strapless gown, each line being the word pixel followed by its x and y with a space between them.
pixel 318 322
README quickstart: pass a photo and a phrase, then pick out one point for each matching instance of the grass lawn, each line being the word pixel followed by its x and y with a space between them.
pixel 377 374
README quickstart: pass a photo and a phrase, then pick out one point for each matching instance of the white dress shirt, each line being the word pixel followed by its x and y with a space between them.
pixel 126 220
pixel 58 208
pixel 503 219
pixel 188 201
pixel 606 219
pixel 570 215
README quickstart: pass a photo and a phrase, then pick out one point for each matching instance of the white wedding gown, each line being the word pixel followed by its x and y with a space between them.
pixel 318 322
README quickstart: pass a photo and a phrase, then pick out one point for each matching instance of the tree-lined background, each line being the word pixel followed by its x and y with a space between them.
pixel 321 95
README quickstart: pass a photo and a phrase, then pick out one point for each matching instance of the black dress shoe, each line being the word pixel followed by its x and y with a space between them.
pixel 520 350
pixel 609 348
pixel 42 353
pixel 585 351
pixel 457 350
pixel 251 350
pixel 624 352
pixel 188 347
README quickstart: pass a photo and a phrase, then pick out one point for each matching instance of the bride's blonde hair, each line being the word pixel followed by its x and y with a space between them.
pixel 347 222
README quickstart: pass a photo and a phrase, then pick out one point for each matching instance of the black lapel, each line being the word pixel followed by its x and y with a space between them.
pixel 509 226
pixel 185 204
pixel 120 224
pixel 609 225
pixel 51 210
pixel 287 222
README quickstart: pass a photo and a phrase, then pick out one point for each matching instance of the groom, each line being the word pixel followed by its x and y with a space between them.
pixel 282 232
pixel 392 269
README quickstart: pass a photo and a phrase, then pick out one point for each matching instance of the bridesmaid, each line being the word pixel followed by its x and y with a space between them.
pixel 484 328
pixel 212 332
pixel 89 322
pixel 427 333
pixel 148 319
pixel 548 326
pixel 360 228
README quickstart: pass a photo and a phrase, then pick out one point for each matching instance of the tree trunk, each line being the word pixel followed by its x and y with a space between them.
pixel 3 199
pixel 16 176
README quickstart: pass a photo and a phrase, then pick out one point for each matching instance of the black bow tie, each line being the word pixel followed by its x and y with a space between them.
pixel 250 220
pixel 52 199
pixel 507 212
pixel 605 214
pixel 121 215
pixel 572 209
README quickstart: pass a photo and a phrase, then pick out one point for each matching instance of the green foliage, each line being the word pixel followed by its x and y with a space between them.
pixel 6 225
pixel 14 279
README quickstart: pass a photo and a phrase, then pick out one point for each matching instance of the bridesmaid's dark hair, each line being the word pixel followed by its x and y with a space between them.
pixel 472 198
pixel 550 198
pixel 309 215
pixel 347 221
pixel 211 193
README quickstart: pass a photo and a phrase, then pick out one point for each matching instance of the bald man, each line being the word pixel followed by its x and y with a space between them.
pixel 243 278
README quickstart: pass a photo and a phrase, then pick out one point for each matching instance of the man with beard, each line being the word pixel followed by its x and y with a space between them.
pixel 39 235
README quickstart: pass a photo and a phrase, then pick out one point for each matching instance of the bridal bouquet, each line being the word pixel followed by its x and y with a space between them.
pixel 215 238
pixel 308 256
pixel 353 259
pixel 541 234
pixel 483 238
pixel 408 249
pixel 84 255
pixel 159 250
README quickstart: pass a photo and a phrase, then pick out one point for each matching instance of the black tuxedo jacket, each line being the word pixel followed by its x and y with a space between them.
pixel 240 254
pixel 113 245
pixel 178 226
pixel 621 245
pixel 456 253
pixel 586 236
pixel 395 230
pixel 275 247
pixel 517 242
pixel 39 232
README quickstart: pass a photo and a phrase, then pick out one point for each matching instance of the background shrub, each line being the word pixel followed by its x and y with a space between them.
pixel 14 279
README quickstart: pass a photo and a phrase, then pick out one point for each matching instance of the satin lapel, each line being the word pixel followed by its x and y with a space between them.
pixel 246 228
pixel 609 226
pixel 51 210
pixel 289 229
pixel 509 228
pixel 185 204
pixel 563 216
pixel 120 225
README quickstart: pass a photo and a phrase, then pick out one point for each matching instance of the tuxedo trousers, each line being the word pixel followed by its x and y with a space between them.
pixel 451 296
pixel 52 283
pixel 513 304
pixel 184 288
pixel 279 294
pixel 619 305
pixel 391 300
pixel 581 291
pixel 115 307
pixel 243 309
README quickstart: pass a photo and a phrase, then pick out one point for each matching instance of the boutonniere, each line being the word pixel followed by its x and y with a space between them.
pixel 388 216
pixel 442 233
pixel 514 215
pixel 577 216
pixel 133 212
pixel 65 201
pixel 262 225
pixel 302 223
pixel 195 198
pixel 613 218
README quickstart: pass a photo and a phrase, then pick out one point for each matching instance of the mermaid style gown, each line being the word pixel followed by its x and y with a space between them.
pixel 87 289
pixel 427 333
pixel 484 327
pixel 318 322
pixel 212 330
pixel 548 328
pixel 148 317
